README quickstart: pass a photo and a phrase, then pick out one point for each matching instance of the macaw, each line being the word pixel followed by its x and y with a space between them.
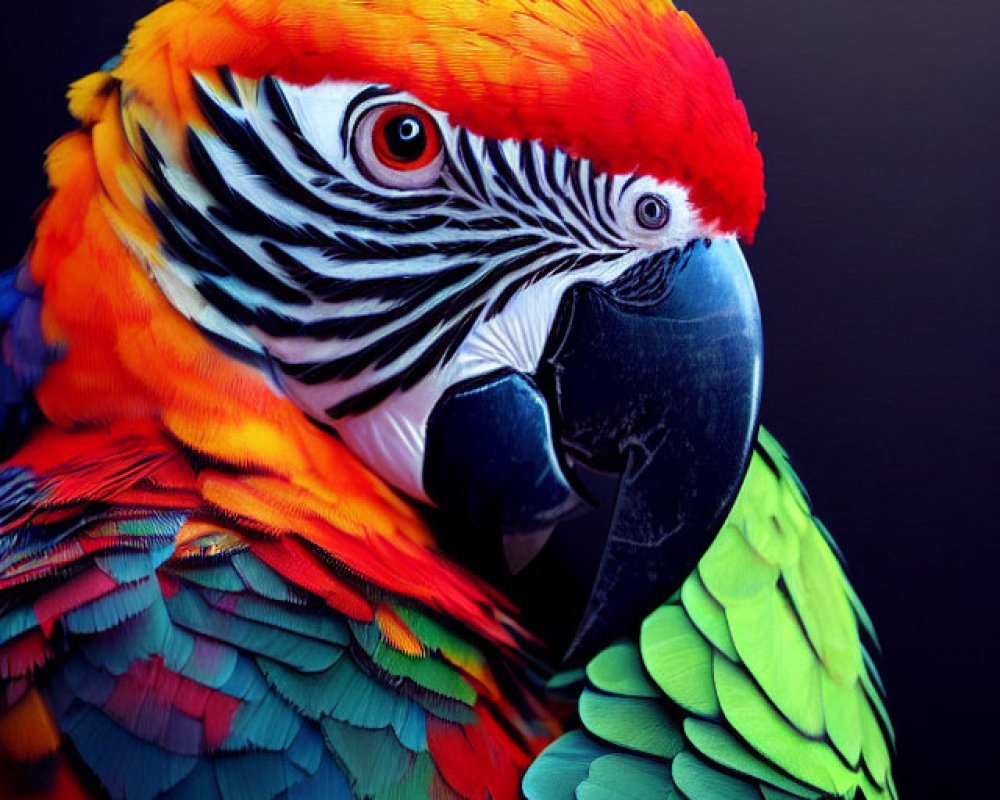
pixel 380 419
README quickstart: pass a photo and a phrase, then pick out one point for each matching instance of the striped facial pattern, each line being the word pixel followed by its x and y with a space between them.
pixel 369 286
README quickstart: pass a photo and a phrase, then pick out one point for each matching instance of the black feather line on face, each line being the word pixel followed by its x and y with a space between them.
pixel 192 239
pixel 493 235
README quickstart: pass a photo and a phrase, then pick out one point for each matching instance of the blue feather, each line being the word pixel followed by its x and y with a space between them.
pixel 125 765
pixel 157 723
pixel 412 732
pixel 88 682
pixel 328 783
pixel 24 355
pixel 255 776
pixel 309 655
pixel 199 785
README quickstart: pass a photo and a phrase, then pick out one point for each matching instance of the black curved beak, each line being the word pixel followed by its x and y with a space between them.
pixel 588 491
pixel 656 380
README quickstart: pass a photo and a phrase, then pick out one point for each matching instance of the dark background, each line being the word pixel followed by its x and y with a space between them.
pixel 879 280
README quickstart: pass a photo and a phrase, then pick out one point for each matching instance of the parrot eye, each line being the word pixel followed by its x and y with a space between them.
pixel 399 146
pixel 652 212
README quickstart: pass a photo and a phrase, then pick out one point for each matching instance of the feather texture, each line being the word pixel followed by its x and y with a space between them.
pixel 752 682
pixel 205 595
pixel 24 355
pixel 203 664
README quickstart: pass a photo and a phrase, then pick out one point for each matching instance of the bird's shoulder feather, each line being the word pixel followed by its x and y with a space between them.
pixel 183 648
pixel 753 682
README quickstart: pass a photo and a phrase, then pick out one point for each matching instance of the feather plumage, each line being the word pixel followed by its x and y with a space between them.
pixel 214 663
pixel 203 594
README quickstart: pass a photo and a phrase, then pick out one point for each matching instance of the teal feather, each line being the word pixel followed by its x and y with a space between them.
pixel 138 638
pixel 16 621
pixel 161 553
pixel 567 684
pixel 414 785
pixel 696 779
pixel 770 793
pixel 562 767
pixel 623 777
pixel 255 776
pixel 310 655
pixel 128 566
pixel 347 694
pixel 219 576
pixel 312 694
pixel 412 731
pixel 261 579
pixel 246 682
pixel 114 608
pixel 374 759
pixel 324 625
pixel 210 663
pixel 365 703
pixel 445 708
pixel 180 650
pixel 366 635
pixel 638 723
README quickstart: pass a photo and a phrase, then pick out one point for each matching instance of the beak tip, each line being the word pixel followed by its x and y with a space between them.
pixel 520 549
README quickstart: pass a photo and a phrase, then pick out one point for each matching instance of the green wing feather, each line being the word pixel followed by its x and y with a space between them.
pixel 753 681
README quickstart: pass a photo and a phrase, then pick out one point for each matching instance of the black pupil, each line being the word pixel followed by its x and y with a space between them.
pixel 405 137
pixel 652 212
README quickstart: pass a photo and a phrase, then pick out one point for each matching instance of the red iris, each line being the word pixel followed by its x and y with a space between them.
pixel 404 137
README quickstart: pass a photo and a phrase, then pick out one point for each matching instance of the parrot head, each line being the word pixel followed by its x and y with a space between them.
pixel 493 247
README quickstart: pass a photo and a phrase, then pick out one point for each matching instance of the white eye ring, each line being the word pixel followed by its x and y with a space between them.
pixel 654 214
pixel 399 146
